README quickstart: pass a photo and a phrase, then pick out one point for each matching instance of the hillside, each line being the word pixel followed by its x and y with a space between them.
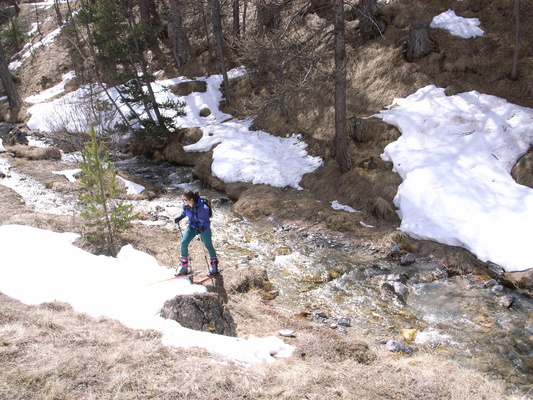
pixel 51 351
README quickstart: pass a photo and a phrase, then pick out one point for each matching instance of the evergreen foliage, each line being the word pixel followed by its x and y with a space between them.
pixel 105 216
pixel 117 44
pixel 13 36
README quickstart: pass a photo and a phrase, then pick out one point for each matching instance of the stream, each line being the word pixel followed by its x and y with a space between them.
pixel 488 328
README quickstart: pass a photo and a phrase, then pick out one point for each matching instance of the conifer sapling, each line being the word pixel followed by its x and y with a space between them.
pixel 105 217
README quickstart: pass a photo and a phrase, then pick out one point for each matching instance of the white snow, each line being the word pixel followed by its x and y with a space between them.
pixel 458 26
pixel 2 149
pixel 36 195
pixel 338 206
pixel 131 187
pixel 53 91
pixel 455 156
pixel 70 174
pixel 122 288
pixel 243 155
pixel 239 153
pixel 30 48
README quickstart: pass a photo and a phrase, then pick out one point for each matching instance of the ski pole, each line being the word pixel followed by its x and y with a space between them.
pixel 181 232
pixel 205 250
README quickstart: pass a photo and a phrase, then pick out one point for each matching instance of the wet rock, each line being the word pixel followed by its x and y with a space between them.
pixel 397 278
pixel 375 270
pixel 401 291
pixel 507 301
pixel 396 284
pixel 429 276
pixel 496 269
pixel 498 290
pixel 396 346
pixel 408 259
pixel 490 283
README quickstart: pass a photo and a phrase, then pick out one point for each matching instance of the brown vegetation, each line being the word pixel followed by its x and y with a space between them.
pixel 49 351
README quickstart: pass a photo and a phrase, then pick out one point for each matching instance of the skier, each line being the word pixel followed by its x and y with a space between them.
pixel 198 209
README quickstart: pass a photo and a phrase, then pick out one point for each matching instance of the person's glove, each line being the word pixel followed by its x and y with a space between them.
pixel 199 229
pixel 177 220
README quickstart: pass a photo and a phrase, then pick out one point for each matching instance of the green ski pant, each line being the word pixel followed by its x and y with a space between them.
pixel 189 235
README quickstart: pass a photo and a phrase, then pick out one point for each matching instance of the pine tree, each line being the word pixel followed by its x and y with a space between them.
pixel 105 217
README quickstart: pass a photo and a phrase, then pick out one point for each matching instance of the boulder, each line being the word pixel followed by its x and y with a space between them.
pixel 202 312
pixel 14 136
pixel 396 346
pixel 188 87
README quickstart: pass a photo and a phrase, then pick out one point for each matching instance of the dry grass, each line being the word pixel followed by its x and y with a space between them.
pixel 51 352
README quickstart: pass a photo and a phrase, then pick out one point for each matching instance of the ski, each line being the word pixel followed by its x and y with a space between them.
pixel 190 274
pixel 205 278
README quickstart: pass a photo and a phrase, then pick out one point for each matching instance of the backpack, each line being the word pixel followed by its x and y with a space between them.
pixel 208 203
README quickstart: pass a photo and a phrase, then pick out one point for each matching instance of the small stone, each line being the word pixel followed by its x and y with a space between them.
pixel 408 259
pixel 287 333
pixel 344 321
pixel 498 290
pixel 395 346
pixel 409 334
pixel 490 283
pixel 401 291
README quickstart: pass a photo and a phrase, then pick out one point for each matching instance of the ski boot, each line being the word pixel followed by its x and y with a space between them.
pixel 183 269
pixel 213 267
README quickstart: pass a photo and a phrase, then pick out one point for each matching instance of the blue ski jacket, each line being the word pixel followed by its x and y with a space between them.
pixel 198 215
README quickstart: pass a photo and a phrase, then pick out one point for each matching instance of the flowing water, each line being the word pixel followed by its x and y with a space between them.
pixel 457 316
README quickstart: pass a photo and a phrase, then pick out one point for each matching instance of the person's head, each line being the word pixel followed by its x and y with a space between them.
pixel 190 197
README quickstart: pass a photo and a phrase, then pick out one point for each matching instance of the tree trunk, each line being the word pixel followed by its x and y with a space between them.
pixel 244 17
pixel 148 13
pixel 341 136
pixel 236 16
pixel 10 87
pixel 419 44
pixel 16 6
pixel 57 9
pixel 180 41
pixel 514 70
pixel 206 30
pixel 268 16
pixel 217 23
pixel 158 120
pixel 366 19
